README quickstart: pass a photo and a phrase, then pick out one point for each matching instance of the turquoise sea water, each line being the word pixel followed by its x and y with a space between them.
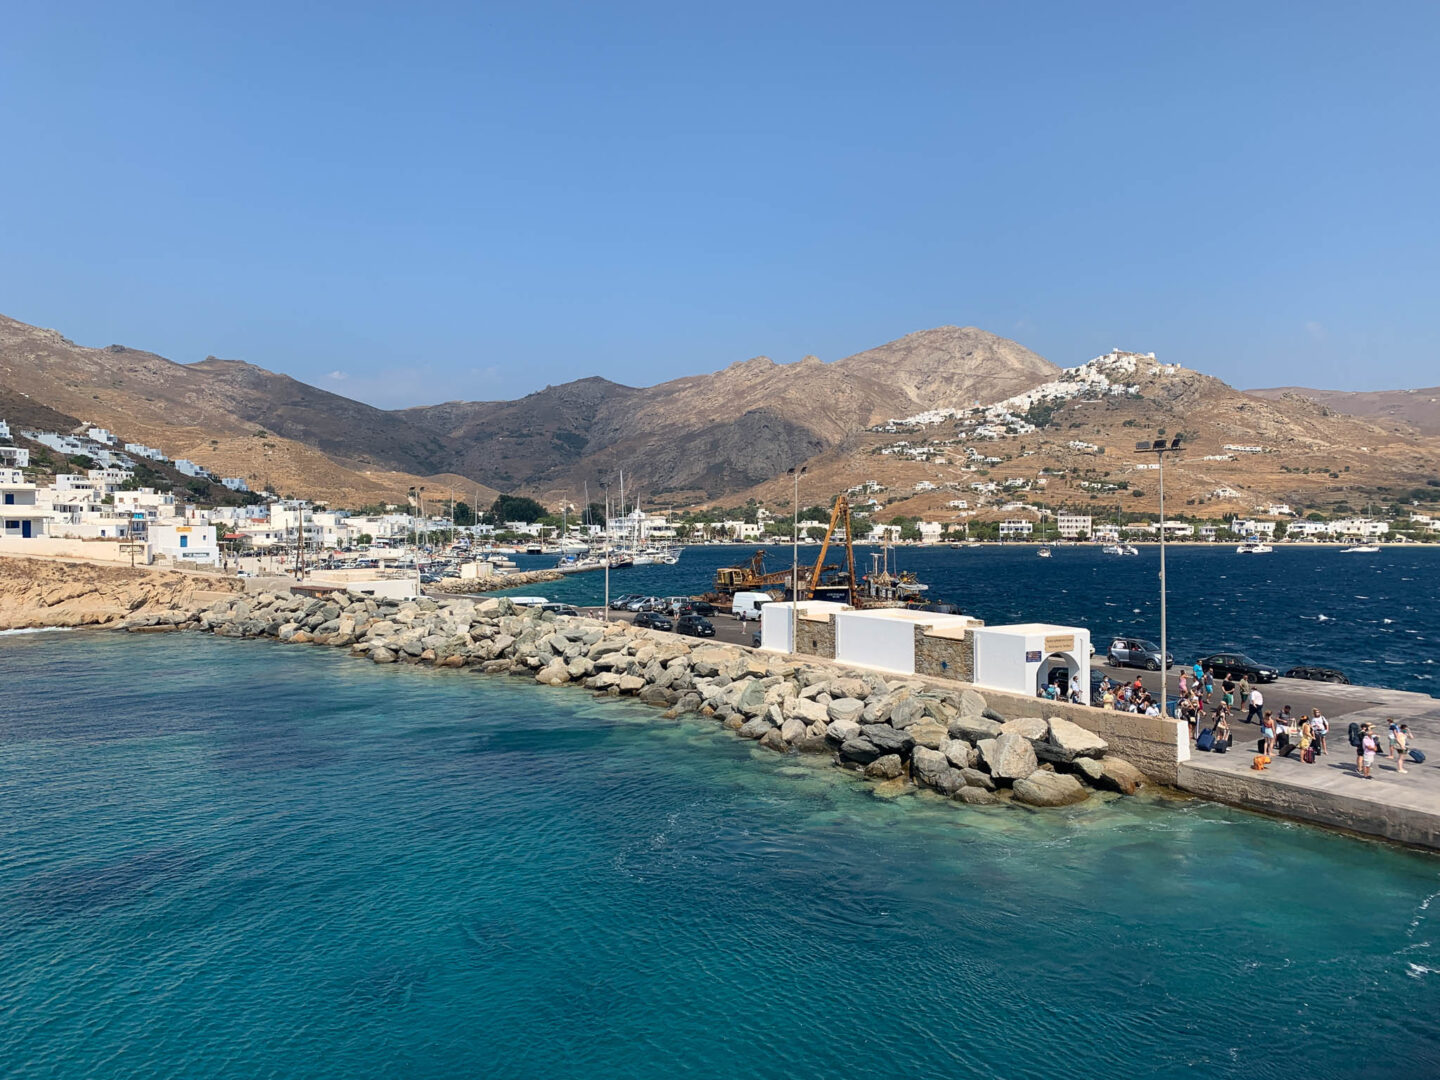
pixel 241 859
pixel 1372 616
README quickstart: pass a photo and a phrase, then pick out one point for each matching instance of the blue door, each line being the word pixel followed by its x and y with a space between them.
pixel 25 529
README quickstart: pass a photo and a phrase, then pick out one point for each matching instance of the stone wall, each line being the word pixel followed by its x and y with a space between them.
pixel 815 636
pixel 944 657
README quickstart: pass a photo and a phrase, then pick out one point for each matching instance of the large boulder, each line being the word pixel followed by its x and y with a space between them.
pixel 928 733
pixel 752 698
pixel 972 704
pixel 1045 788
pixel 1031 727
pixel 906 712
pixel 933 769
pixel 1093 769
pixel 976 778
pixel 860 750
pixel 888 739
pixel 886 767
pixel 849 688
pixel 1011 757
pixel 976 796
pixel 554 673
pixel 845 709
pixel 961 753
pixel 1065 741
pixel 1120 775
pixel 808 710
pixel 754 729
pixel 792 729
pixel 973 728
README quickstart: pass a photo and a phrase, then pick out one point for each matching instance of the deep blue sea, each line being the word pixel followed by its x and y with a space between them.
pixel 241 859
pixel 1375 617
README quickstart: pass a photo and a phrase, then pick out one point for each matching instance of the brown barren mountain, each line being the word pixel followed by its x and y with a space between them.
pixel 732 434
pixel 1418 408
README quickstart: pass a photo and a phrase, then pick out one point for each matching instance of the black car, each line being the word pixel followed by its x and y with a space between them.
pixel 756 639
pixel 698 607
pixel 1318 674
pixel 695 626
pixel 560 609
pixel 655 621
pixel 1237 665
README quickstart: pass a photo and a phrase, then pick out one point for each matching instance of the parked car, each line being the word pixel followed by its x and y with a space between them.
pixel 1237 665
pixel 643 603
pixel 698 607
pixel 1137 652
pixel 673 604
pixel 560 609
pixel 756 639
pixel 653 620
pixel 621 602
pixel 1318 674
pixel 429 579
pixel 695 626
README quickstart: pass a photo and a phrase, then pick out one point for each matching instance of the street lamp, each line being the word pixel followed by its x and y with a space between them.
pixel 795 560
pixel 605 611
pixel 1159 447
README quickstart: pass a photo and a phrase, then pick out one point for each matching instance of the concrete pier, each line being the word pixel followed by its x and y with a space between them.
pixel 1401 807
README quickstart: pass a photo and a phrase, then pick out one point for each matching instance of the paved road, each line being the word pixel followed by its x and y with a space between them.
pixel 728 629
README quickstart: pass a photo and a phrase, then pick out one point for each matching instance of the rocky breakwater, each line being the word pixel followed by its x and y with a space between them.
pixel 513 580
pixel 896 732
pixel 55 592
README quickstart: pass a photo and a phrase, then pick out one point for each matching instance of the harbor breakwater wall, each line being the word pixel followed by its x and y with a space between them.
pixel 895 731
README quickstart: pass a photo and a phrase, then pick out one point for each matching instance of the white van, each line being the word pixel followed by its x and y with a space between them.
pixel 747 605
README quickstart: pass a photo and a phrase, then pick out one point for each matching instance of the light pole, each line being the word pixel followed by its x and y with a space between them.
pixel 795 560
pixel 605 612
pixel 1160 448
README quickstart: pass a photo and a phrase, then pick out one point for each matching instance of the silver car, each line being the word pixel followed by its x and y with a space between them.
pixel 1137 652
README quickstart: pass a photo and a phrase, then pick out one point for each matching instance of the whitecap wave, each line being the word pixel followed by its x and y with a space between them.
pixel 37 630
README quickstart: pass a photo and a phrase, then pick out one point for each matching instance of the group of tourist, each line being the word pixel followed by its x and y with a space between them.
pixel 1281 733
pixel 1368 745
pixel 1127 697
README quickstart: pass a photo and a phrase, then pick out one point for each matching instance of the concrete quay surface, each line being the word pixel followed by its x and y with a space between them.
pixel 1404 807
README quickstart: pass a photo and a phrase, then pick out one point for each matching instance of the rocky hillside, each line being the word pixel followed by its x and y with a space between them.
pixel 1243 451
pixel 50 592
pixel 705 436
pixel 1056 436
pixel 1418 408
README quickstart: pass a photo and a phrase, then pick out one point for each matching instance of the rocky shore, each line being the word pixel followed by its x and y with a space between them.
pixel 52 592
pixel 896 732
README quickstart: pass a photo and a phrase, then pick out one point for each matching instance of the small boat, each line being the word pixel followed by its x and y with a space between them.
pixel 1253 546
pixel 1044 553
pixel 1361 549
pixel 1120 549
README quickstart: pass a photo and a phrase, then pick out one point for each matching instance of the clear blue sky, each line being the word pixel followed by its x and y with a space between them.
pixel 420 202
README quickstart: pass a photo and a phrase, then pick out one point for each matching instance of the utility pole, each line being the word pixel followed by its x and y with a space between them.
pixel 795 560
pixel 1160 448
pixel 605 614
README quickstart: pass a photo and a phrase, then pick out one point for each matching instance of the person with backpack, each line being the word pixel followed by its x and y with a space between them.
pixel 1355 742
pixel 1400 741
pixel 1369 747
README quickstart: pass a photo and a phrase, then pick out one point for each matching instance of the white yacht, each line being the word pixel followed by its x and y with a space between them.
pixel 1361 549
pixel 1253 546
